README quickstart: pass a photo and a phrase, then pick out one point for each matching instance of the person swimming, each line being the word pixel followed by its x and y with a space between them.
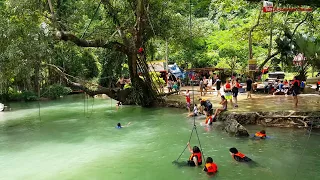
pixel 238 156
pixel 195 158
pixel 261 134
pixel 119 125
pixel 210 166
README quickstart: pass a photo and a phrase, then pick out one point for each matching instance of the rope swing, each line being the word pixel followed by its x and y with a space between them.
pixel 194 118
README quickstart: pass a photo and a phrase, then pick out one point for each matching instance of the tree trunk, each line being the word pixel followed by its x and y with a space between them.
pixel 250 35
pixel 271 34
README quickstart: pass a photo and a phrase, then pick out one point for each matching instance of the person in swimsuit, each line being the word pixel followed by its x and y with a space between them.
pixel 224 104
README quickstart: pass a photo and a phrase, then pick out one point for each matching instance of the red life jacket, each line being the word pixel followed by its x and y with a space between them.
pixel 211 167
pixel 258 134
pixel 228 86
pixel 198 155
pixel 239 154
pixel 318 82
pixel 237 85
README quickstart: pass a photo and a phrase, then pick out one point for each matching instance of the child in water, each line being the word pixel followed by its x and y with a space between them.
pixel 238 156
pixel 119 125
pixel 261 134
pixel 195 111
pixel 196 156
pixel 211 168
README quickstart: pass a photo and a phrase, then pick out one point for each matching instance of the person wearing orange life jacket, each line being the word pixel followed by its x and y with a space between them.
pixel 261 134
pixel 210 166
pixel 195 158
pixel 238 156
pixel 209 119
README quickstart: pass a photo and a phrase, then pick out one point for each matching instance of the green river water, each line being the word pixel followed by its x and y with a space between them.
pixel 69 144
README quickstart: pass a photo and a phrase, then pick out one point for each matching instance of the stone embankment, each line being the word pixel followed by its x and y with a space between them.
pixel 234 122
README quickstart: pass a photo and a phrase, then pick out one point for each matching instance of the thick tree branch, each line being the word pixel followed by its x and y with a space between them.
pixel 66 36
pixel 114 93
pixel 268 58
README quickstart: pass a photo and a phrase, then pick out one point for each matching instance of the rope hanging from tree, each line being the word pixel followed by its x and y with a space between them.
pixel 194 118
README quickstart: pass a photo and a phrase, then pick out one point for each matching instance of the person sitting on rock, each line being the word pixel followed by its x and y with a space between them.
pixel 238 156
pixel 261 134
pixel 224 104
pixel 194 112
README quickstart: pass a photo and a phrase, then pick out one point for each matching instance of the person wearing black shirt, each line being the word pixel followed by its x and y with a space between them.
pixel 249 87
pixel 295 90
pixel 218 85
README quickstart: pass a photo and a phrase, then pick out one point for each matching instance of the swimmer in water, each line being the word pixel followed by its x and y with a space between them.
pixel 211 168
pixel 261 134
pixel 119 125
pixel 238 156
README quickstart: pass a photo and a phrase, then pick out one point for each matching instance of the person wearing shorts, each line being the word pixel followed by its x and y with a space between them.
pixel 188 100
pixel 295 90
pixel 235 91
pixel 218 85
pixel 249 87
pixel 228 91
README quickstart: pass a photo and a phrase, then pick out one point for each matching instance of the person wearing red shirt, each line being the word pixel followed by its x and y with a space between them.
pixel 188 100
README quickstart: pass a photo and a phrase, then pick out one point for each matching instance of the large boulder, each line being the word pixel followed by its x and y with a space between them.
pixel 233 127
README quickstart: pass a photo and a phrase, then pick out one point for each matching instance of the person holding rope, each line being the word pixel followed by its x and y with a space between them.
pixel 195 158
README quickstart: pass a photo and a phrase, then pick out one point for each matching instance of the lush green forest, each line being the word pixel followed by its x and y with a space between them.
pixel 47 45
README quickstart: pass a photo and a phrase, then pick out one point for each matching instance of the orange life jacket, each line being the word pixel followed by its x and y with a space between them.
pixel 259 134
pixel 198 155
pixel 211 167
pixel 239 154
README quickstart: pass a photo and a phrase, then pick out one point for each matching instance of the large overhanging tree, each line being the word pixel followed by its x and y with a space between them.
pixel 129 28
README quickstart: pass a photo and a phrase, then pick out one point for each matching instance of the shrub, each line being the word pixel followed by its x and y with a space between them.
pixel 29 96
pixel 55 91
pixel 157 79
